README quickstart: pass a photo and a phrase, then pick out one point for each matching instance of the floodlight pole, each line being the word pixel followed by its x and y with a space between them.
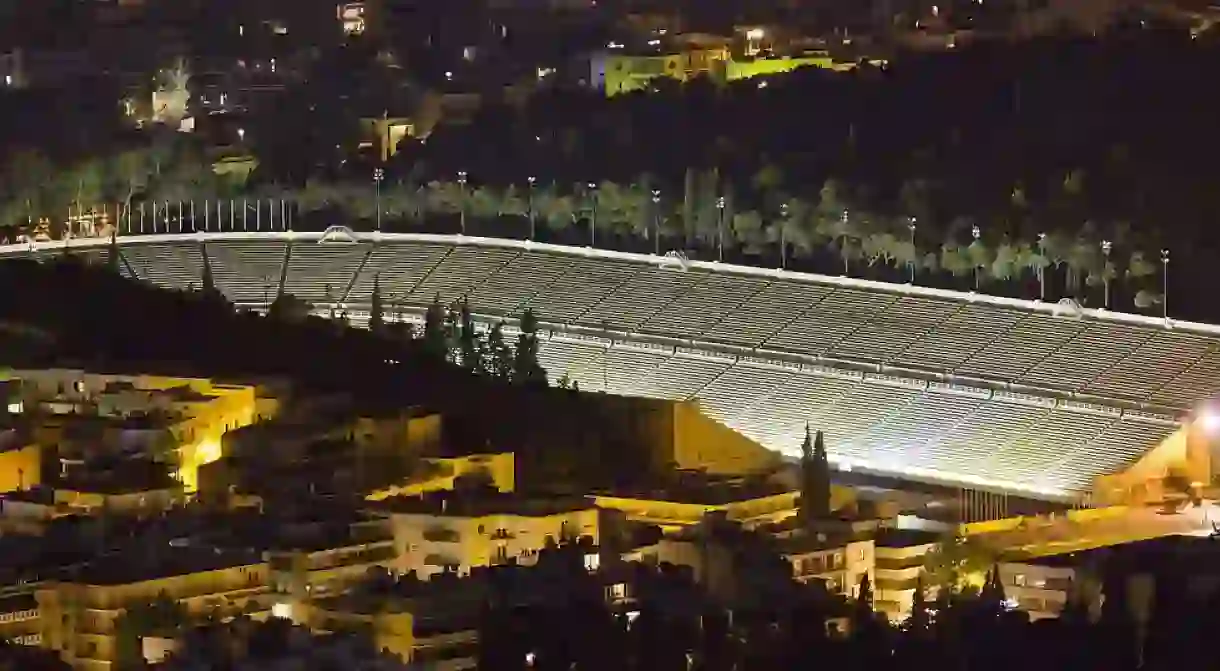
pixel 1042 266
pixel 656 222
pixel 1165 283
pixel 914 252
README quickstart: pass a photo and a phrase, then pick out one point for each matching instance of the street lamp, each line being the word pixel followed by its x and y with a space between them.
pixel 1042 266
pixel 783 242
pixel 530 200
pixel 656 222
pixel 1105 271
pixel 1165 283
pixel 976 233
pixel 720 228
pixel 462 200
pixel 914 253
pixel 592 213
pixel 378 176
pixel 241 136
pixel 843 244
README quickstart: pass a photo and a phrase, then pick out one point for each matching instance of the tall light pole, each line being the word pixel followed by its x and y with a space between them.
pixel 1165 283
pixel 1105 271
pixel 1042 266
pixel 530 203
pixel 656 222
pixel 843 244
pixel 783 242
pixel 720 228
pixel 914 251
pixel 592 214
pixel 976 233
pixel 462 200
pixel 378 176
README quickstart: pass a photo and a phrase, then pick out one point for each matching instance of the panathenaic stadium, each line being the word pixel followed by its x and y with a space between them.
pixel 913 382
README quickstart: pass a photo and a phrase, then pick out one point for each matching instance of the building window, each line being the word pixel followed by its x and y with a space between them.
pixel 1019 580
pixel 592 562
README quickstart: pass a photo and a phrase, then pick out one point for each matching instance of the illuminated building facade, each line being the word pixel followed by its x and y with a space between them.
pixel 82 415
pixel 462 530
pixel 79 612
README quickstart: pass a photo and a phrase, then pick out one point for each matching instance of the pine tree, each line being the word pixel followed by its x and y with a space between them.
pixel 209 291
pixel 434 329
pixel 992 595
pixel 501 358
pixel 468 339
pixel 452 333
pixel 864 596
pixel 526 369
pixel 328 296
pixel 920 617
pixel 113 258
pixel 209 282
pixel 376 309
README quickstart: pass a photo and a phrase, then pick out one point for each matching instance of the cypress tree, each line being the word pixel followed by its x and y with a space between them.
pixel 376 309
pixel 209 282
pixel 815 479
pixel 113 258
pixel 920 618
pixel 864 596
pixel 526 369
pixel 992 595
pixel 468 339
pixel 452 332
pixel 434 329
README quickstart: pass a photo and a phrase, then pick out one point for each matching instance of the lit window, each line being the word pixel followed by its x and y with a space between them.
pixel 1019 580
pixel 15 407
pixel 592 562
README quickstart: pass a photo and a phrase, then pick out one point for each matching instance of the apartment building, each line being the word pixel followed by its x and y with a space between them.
pixel 461 530
pixel 79 609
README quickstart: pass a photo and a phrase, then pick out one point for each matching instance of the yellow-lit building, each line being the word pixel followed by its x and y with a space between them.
pixel 749 502
pixel 19 617
pixel 463 530
pixel 442 474
pixel 79 612
pixel 901 555
pixel 323 558
pixel 619 73
pixel 187 416
pixel 20 462
pixel 624 73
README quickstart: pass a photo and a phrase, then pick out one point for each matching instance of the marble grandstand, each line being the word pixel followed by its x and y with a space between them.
pixel 909 381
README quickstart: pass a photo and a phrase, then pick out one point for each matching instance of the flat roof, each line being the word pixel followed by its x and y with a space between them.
pixel 902 538
pixel 700 489
pixel 481 503
pixel 139 563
